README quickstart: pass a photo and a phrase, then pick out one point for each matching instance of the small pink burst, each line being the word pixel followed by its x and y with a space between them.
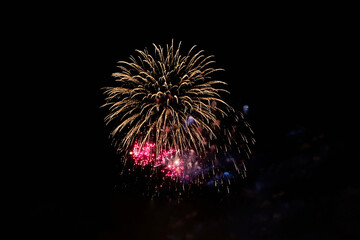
pixel 170 161
pixel 175 170
pixel 143 155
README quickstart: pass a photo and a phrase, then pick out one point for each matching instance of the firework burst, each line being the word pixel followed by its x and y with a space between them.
pixel 167 112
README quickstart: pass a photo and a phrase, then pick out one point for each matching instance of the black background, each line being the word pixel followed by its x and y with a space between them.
pixel 290 64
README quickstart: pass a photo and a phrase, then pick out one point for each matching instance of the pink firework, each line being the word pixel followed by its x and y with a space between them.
pixel 170 161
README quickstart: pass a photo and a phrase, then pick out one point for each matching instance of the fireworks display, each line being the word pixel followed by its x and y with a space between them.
pixel 169 120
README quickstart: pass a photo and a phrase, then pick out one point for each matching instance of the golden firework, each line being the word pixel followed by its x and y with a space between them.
pixel 166 98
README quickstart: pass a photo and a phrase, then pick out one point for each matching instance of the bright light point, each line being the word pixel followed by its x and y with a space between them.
pixel 246 109
pixel 177 162
pixel 189 121
pixel 131 153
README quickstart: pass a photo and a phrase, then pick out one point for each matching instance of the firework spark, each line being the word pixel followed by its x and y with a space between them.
pixel 167 110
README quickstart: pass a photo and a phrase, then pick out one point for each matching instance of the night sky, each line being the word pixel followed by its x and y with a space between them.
pixel 288 66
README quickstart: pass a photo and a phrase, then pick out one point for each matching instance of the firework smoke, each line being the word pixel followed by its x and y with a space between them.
pixel 167 113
